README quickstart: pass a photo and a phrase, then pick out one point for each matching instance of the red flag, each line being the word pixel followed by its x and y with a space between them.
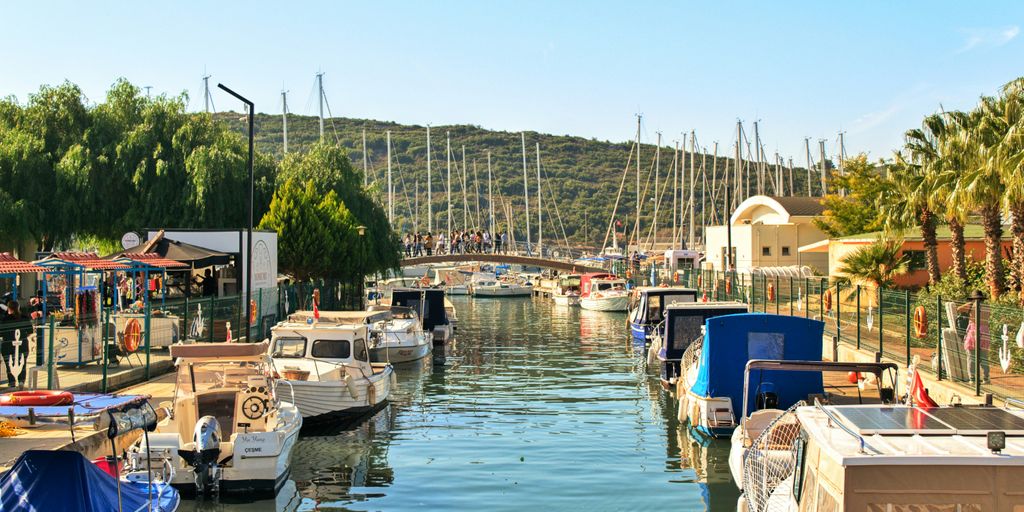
pixel 919 393
pixel 316 309
pixel 227 327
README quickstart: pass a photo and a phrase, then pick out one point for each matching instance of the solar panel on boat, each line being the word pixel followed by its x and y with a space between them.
pixel 891 420
pixel 979 420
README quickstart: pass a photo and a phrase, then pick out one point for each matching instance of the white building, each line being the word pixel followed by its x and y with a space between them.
pixel 767 232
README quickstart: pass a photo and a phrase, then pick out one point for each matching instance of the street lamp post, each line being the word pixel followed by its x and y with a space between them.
pixel 362 263
pixel 248 238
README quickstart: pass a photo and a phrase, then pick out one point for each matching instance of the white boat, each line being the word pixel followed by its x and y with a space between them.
pixel 567 292
pixel 433 308
pixel 228 428
pixel 500 288
pixel 399 338
pixel 754 422
pixel 452 279
pixel 887 458
pixel 603 292
pixel 327 362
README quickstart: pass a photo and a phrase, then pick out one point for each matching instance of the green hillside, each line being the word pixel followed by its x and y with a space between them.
pixel 582 174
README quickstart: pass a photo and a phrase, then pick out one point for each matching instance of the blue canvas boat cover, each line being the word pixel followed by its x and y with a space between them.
pixel 732 340
pixel 67 481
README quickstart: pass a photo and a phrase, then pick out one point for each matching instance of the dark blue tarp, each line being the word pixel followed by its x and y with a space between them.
pixel 732 340
pixel 67 481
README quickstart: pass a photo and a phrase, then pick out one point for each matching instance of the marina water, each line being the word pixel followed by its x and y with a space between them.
pixel 537 407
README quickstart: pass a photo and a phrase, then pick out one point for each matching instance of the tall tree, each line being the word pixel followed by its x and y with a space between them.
pixel 856 211
pixel 905 203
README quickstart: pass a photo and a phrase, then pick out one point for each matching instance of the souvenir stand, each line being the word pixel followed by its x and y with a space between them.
pixel 130 319
pixel 76 278
pixel 10 268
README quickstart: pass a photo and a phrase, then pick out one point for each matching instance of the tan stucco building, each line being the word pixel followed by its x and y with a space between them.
pixel 766 232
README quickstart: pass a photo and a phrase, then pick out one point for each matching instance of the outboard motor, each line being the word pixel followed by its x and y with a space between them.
pixel 203 459
pixel 766 398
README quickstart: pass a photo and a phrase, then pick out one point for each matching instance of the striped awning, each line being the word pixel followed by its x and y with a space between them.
pixel 11 265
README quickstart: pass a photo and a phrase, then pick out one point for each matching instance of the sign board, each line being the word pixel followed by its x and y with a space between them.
pixel 130 239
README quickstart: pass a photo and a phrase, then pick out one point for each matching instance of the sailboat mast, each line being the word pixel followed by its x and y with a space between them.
pixel 526 192
pixel 657 195
pixel 366 163
pixel 391 190
pixel 821 156
pixel 807 153
pixel 792 186
pixel 540 211
pixel 430 204
pixel 416 216
pixel 691 240
pixel 636 229
pixel 490 196
pixel 738 164
pixel 757 160
pixel 320 89
pixel 714 185
pixel 284 118
pixel 448 152
pixel 675 194
pixel 476 190
pixel 465 197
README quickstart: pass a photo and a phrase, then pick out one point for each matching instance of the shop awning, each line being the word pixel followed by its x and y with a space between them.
pixel 152 259
pixel 819 246
pixel 11 265
pixel 181 252
pixel 88 260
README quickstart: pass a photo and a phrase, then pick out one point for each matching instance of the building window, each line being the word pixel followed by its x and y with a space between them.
pixel 766 251
pixel 916 260
pixel 785 251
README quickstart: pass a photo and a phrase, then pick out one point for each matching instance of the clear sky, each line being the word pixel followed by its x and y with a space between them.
pixel 805 69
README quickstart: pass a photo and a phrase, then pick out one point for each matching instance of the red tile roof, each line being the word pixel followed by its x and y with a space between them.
pixel 89 260
pixel 154 259
pixel 11 265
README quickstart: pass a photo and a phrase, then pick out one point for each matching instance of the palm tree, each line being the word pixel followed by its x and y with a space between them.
pixel 876 265
pixel 906 203
pixel 1011 167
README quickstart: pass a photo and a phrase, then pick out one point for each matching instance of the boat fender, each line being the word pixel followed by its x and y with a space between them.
pixel 351 384
pixel 921 322
pixel 828 301
pixel 728 286
pixel 371 394
pixel 652 352
pixel 771 292
pixel 40 397
pixel 394 380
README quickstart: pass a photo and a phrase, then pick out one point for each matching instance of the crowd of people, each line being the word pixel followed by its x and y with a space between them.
pixel 455 242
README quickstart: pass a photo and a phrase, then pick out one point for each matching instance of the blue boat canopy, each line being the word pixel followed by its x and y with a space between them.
pixel 732 340
pixel 67 481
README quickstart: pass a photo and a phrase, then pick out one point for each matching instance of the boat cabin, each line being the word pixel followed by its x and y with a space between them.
pixel 322 351
pixel 599 282
pixel 648 304
pixel 569 283
pixel 430 305
pixel 888 458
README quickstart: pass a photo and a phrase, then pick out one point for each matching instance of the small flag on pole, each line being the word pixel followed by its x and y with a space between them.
pixel 316 309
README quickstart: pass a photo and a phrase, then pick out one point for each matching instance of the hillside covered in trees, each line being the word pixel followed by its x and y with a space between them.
pixel 581 175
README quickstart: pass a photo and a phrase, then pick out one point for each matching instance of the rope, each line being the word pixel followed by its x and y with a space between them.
pixel 622 184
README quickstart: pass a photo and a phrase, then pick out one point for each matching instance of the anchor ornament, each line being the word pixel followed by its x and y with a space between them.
pixel 1004 350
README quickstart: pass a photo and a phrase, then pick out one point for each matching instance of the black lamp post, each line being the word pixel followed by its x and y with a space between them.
pixel 248 238
pixel 977 298
pixel 362 263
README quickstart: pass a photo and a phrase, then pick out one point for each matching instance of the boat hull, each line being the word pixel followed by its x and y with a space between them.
pixel 502 292
pixel 613 303
pixel 566 300
pixel 460 289
pixel 639 332
pixel 400 354
pixel 331 400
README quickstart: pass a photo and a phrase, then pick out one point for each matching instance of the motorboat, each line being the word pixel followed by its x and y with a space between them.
pixel 647 308
pixel 753 422
pixel 228 429
pixel 567 292
pixel 603 292
pixel 682 329
pixel 500 288
pixel 399 338
pixel 326 361
pixel 710 388
pixel 887 458
pixel 431 305
pixel 452 279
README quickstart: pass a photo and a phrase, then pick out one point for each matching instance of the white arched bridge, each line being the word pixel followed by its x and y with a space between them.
pixel 562 265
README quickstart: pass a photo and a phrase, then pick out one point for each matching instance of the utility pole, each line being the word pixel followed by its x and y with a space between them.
pixel 320 88
pixel 693 148
pixel 391 207
pixel 540 210
pixel 284 124
pixel 526 193
pixel 430 204
pixel 824 173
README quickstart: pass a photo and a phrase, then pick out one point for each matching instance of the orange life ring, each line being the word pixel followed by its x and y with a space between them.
pixel 921 322
pixel 132 335
pixel 827 297
pixel 771 291
pixel 675 277
pixel 37 398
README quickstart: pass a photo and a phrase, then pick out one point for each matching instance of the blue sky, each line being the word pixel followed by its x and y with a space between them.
pixel 805 69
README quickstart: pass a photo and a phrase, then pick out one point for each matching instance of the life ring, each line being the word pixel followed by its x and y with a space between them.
pixel 771 291
pixel 252 312
pixel 132 335
pixel 675 277
pixel 827 298
pixel 629 274
pixel 921 322
pixel 37 398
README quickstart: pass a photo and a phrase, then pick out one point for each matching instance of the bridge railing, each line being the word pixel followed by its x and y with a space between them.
pixel 518 248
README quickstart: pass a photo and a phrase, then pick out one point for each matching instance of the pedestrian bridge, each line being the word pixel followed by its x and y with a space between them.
pixel 563 265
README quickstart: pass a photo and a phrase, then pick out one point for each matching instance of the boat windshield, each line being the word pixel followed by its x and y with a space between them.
pixel 401 313
pixel 289 347
pixel 197 377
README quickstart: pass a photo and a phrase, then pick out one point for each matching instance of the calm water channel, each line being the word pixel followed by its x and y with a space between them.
pixel 538 407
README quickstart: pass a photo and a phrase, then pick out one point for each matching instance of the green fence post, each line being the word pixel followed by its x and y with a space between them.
pixel 149 313
pixel 858 314
pixel 212 316
pixel 821 300
pixel 837 301
pixel 807 298
pixel 906 303
pixel 105 313
pixel 791 296
pixel 259 313
pixel 938 331
pixel 49 358
pixel 184 329
pixel 881 321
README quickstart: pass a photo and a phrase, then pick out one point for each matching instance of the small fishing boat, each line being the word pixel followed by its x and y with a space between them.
pixel 227 430
pixel 647 308
pixel 567 293
pixel 325 359
pixel 754 421
pixel 504 287
pixel 710 388
pixel 887 458
pixel 603 292
pixel 399 338
pixel 683 329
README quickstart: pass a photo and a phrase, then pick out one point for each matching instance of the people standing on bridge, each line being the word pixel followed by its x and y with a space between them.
pixel 487 241
pixel 503 242
pixel 407 244
pixel 428 244
pixel 418 244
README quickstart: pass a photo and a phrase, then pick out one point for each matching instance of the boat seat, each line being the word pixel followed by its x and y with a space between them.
pixel 758 421
pixel 220 405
